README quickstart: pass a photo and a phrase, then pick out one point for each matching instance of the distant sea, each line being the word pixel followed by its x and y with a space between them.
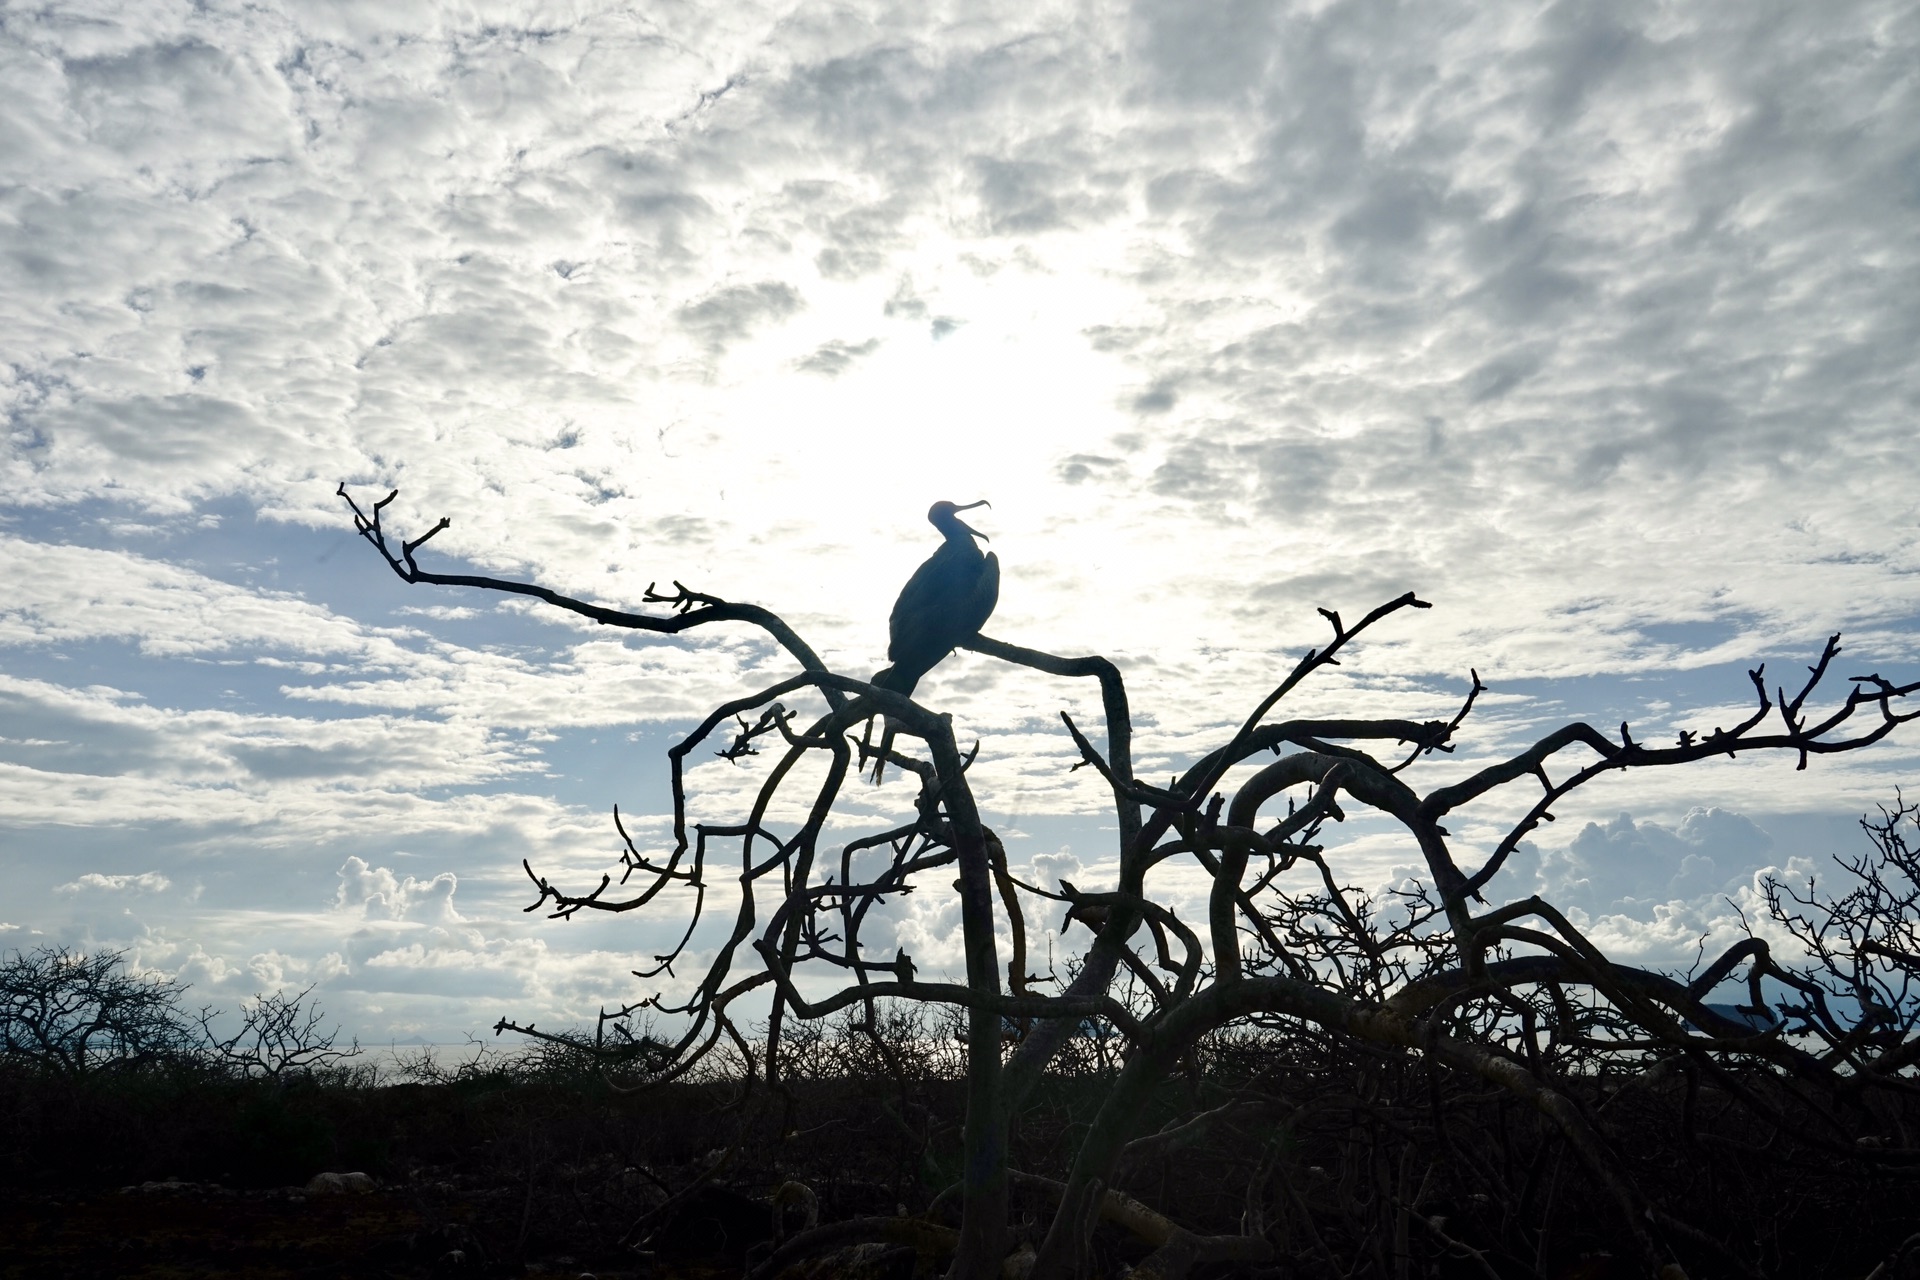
pixel 392 1061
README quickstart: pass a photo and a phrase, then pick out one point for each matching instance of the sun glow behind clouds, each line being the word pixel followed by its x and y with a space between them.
pixel 979 390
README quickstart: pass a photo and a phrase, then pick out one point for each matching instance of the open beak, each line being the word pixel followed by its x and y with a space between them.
pixel 969 528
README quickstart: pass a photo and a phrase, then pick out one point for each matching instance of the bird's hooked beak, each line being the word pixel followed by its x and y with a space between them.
pixel 964 525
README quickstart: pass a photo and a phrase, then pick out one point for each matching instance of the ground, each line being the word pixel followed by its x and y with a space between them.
pixel 181 1229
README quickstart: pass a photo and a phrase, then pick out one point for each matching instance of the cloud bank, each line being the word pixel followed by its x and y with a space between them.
pixel 1592 323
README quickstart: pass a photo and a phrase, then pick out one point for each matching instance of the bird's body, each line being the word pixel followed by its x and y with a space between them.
pixel 946 601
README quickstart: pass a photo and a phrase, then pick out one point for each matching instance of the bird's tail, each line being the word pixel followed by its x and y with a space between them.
pixel 894 680
pixel 880 754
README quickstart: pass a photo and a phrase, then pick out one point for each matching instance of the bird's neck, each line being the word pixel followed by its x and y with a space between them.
pixel 953 533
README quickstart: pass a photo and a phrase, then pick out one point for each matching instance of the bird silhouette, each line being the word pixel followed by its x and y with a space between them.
pixel 946 601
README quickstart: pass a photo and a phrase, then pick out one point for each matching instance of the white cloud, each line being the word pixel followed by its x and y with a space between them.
pixel 274 970
pixel 1649 893
pixel 204 969
pixel 64 593
pixel 145 882
pixel 1711 853
pixel 1586 322
pixel 378 893
pixel 1048 869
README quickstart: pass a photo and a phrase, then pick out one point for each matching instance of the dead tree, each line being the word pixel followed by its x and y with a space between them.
pixel 1858 997
pixel 280 1037
pixel 1514 995
pixel 72 1014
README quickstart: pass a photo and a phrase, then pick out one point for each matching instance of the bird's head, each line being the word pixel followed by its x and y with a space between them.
pixel 945 516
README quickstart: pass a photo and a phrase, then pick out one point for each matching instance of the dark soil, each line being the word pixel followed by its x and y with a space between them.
pixel 201 1230
pixel 185 1175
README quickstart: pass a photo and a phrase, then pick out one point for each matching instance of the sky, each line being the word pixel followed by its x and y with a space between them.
pixel 1594 324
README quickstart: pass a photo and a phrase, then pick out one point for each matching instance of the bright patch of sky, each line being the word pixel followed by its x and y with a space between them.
pixel 1594 324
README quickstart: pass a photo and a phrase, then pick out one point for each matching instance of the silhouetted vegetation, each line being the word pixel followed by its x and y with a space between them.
pixel 72 1014
pixel 1350 1157
pixel 1310 1080
pixel 1307 1080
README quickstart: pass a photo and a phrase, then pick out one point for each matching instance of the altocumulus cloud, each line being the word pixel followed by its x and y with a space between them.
pixel 1591 322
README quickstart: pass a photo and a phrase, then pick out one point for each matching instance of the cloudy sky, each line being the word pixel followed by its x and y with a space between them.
pixel 1595 324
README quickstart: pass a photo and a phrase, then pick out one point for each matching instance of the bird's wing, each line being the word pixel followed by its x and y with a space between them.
pixel 986 594
pixel 920 620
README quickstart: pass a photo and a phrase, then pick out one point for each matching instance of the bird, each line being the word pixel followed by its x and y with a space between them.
pixel 946 601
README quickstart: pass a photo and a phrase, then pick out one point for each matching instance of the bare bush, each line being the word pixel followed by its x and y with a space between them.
pixel 73 1013
pixel 1429 1003
pixel 280 1035
pixel 1859 995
